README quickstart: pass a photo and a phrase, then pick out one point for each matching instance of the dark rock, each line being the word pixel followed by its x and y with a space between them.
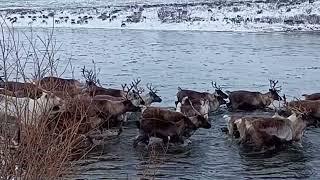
pixel 172 14
pixel 308 11
pixel 236 9
pixel 288 10
pixel 135 18
pixel 115 11
pixel 103 16
pixel 51 14
pixel 259 11
pixel 299 22
pixel 289 21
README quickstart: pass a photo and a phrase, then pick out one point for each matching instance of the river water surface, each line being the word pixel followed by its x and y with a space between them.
pixel 191 59
pixel 105 32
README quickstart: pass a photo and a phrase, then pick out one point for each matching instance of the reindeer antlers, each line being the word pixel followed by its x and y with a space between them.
pixel 152 89
pixel 124 86
pixel 90 75
pixel 197 112
pixel 273 85
pixel 299 109
pixel 214 85
pixel 135 83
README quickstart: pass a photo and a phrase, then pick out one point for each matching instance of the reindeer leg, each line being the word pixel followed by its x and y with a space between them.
pixel 142 137
pixel 120 128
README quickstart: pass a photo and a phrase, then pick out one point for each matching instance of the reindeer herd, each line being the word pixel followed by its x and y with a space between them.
pixel 67 101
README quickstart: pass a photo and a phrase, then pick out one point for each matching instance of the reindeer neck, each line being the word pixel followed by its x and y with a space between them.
pixel 117 108
pixel 194 121
pixel 147 99
pixel 178 108
pixel 298 126
pixel 267 98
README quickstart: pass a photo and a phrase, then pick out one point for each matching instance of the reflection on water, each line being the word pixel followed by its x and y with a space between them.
pixel 192 60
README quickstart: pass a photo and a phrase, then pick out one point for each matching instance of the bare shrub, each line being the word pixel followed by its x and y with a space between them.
pixel 33 150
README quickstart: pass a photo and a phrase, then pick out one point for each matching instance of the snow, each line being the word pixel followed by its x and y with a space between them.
pixel 236 17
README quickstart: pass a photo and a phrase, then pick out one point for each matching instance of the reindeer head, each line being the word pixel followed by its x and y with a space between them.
pixel 199 120
pixel 49 100
pixel 300 111
pixel 134 93
pixel 218 90
pixel 153 94
pixel 300 118
pixel 274 90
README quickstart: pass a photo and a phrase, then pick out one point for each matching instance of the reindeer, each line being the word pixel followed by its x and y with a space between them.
pixel 95 113
pixel 312 106
pixel 65 87
pixel 28 110
pixel 19 89
pixel 262 132
pixel 168 125
pixel 216 99
pixel 94 90
pixel 314 96
pixel 151 96
pixel 194 107
pixel 247 100
pixel 148 99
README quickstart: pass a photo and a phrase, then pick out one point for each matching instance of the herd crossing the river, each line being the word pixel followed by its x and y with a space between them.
pixel 66 101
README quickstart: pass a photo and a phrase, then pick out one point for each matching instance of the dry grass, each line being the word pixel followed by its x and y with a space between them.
pixel 34 151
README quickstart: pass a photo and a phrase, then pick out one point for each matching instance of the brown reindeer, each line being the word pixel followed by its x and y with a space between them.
pixel 313 107
pixel 247 100
pixel 168 125
pixel 95 113
pixel 314 96
pixel 126 92
pixel 151 96
pixel 216 99
pixel 194 107
pixel 52 83
pixel 262 132
pixel 20 89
